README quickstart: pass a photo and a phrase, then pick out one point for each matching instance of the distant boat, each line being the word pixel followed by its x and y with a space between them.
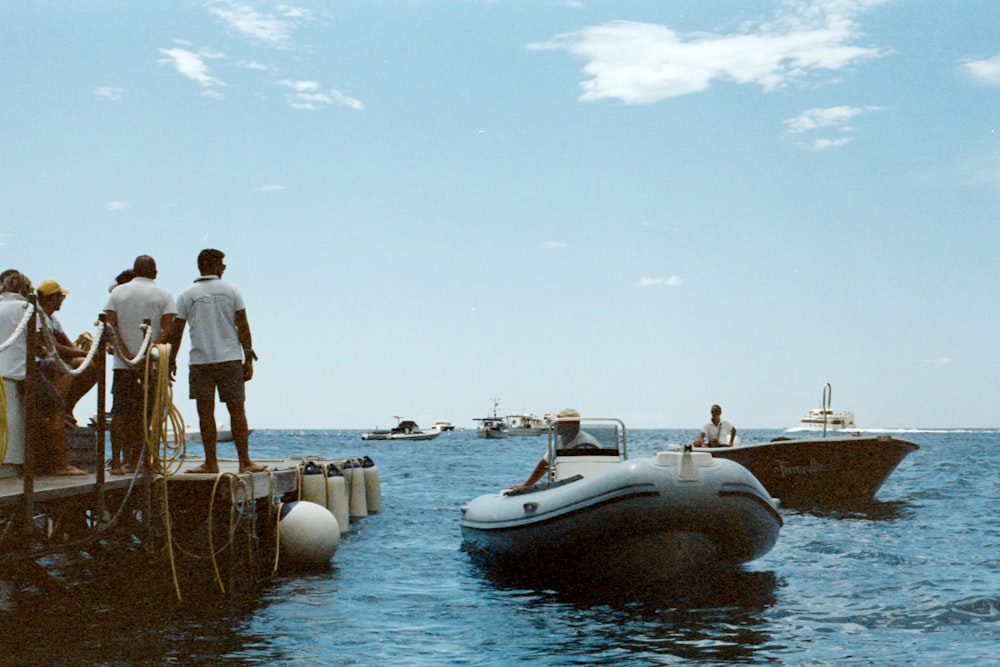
pixel 405 429
pixel 223 434
pixel 528 424
pixel 824 418
pixel 443 426
pixel 494 427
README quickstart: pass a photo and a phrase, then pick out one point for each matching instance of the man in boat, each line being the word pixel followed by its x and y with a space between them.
pixel 71 387
pixel 570 436
pixel 719 433
pixel 221 356
pixel 129 306
pixel 49 408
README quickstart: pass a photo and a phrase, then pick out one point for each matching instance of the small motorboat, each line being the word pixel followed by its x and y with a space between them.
pixel 493 427
pixel 816 472
pixel 526 425
pixel 223 434
pixel 443 426
pixel 405 429
pixel 603 514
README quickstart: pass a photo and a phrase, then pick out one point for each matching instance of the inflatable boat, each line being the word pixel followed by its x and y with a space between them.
pixel 603 512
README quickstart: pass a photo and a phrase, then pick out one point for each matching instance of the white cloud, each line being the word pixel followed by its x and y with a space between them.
pixel 671 281
pixel 192 65
pixel 109 92
pixel 825 144
pixel 813 119
pixel 272 29
pixel 116 206
pixel 552 245
pixel 942 361
pixel 642 63
pixel 984 71
pixel 307 95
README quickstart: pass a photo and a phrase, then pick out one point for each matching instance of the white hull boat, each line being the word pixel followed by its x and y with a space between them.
pixel 825 419
pixel 526 425
pixel 649 516
pixel 405 430
pixel 494 427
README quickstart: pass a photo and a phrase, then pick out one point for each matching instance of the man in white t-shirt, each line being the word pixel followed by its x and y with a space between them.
pixel 129 306
pixel 221 356
pixel 718 433
pixel 569 436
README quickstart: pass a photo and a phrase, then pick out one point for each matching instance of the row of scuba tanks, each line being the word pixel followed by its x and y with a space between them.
pixel 350 490
pixel 332 497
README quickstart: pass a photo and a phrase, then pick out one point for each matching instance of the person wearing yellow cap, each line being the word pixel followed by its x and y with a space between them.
pixel 15 288
pixel 570 436
pixel 72 388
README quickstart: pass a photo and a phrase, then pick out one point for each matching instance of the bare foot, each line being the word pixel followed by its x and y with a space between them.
pixel 253 467
pixel 67 470
pixel 117 469
pixel 203 469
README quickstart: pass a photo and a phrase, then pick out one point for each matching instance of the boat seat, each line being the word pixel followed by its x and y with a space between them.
pixel 583 461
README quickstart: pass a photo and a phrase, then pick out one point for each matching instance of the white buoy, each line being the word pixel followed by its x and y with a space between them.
pixel 373 487
pixel 313 484
pixel 309 534
pixel 337 500
pixel 355 475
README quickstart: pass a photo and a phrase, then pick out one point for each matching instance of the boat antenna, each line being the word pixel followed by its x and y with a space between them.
pixel 827 399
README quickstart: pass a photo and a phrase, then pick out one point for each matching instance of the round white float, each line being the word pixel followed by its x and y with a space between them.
pixel 309 533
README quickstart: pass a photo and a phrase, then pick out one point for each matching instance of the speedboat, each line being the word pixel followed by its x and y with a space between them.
pixel 443 425
pixel 493 427
pixel 405 429
pixel 817 472
pixel 824 418
pixel 819 418
pixel 223 434
pixel 600 513
pixel 528 424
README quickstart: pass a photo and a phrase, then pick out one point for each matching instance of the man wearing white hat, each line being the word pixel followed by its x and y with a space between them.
pixel 570 437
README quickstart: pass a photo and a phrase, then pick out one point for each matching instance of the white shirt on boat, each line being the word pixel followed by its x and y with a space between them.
pixel 717 435
pixel 133 303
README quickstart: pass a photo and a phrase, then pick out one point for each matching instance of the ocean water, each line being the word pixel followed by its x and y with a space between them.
pixel 913 579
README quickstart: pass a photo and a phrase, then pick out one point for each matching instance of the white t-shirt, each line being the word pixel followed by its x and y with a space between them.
pixel 13 362
pixel 133 303
pixel 209 306
pixel 720 432
pixel 582 439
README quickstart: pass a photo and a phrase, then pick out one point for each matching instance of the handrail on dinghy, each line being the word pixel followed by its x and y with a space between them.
pixel 605 430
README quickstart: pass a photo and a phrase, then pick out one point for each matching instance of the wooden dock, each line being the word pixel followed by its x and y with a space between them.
pixel 215 530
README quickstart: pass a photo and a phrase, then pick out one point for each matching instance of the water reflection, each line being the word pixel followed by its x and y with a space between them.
pixel 706 614
pixel 875 510
pixel 83 615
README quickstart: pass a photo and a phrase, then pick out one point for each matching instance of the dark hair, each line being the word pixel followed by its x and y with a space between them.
pixel 14 281
pixel 144 267
pixel 125 276
pixel 208 257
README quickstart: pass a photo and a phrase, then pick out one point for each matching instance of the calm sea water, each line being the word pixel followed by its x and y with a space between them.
pixel 913 580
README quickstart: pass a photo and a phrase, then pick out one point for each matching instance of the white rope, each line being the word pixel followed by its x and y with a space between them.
pixel 117 346
pixel 66 368
pixel 28 311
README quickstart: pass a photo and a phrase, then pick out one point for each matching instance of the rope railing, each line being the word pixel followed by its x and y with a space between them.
pixel 50 340
pixel 29 310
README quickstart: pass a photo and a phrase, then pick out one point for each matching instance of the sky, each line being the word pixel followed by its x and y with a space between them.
pixel 633 209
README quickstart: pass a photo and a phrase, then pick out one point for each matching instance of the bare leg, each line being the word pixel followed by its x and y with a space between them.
pixel 57 447
pixel 209 434
pixel 118 436
pixel 241 436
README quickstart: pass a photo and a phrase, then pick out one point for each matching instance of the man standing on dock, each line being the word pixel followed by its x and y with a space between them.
pixel 129 306
pixel 221 356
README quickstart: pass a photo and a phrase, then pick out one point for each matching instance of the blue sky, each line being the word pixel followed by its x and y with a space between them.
pixel 636 209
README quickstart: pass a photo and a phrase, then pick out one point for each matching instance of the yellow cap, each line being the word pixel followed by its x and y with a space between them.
pixel 50 287
pixel 568 412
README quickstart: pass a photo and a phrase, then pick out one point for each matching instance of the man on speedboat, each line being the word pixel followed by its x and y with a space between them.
pixel 719 433
pixel 570 436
